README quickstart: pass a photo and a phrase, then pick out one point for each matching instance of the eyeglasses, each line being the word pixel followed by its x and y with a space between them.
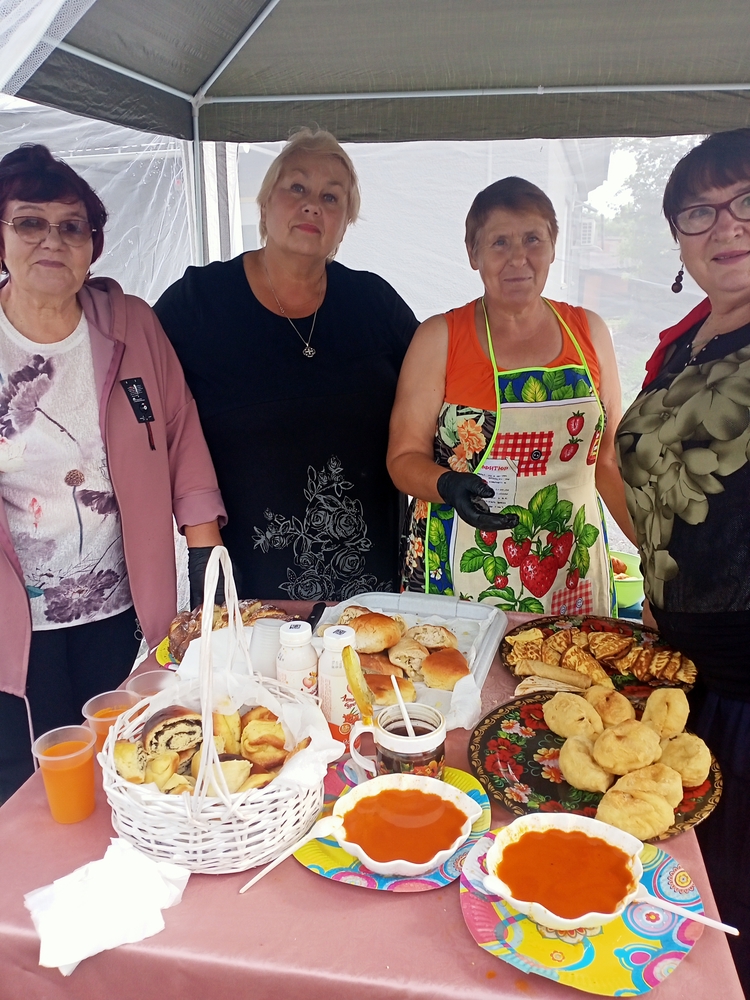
pixel 699 219
pixel 74 232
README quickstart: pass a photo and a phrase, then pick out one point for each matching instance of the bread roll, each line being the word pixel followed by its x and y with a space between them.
pixel 642 814
pixel 688 755
pixel 444 668
pixel 350 613
pixel 173 728
pixel 579 768
pixel 378 663
pixel 612 706
pixel 433 636
pixel 571 715
pixel 228 727
pixel 381 688
pixel 666 711
pixel 657 778
pixel 626 747
pixel 131 760
pixel 258 779
pixel 236 771
pixel 263 743
pixel 178 784
pixel 410 655
pixel 374 632
pixel 161 767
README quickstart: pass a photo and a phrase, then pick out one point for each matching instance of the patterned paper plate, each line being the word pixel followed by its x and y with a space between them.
pixel 626 957
pixel 516 758
pixel 628 684
pixel 325 857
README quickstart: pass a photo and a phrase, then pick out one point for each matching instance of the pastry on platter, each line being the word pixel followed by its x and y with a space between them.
pixel 571 715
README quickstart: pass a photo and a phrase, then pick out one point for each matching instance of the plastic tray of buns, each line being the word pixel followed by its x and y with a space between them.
pixel 478 628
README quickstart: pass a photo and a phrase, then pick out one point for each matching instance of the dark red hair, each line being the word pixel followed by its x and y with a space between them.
pixel 31 173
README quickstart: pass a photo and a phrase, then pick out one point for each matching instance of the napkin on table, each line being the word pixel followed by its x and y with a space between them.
pixel 116 900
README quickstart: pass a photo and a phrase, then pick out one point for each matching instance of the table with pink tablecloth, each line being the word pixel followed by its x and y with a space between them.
pixel 295 934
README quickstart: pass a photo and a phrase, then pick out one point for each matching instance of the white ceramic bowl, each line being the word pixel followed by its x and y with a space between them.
pixel 471 809
pixel 561 821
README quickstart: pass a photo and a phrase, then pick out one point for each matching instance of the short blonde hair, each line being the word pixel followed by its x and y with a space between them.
pixel 321 143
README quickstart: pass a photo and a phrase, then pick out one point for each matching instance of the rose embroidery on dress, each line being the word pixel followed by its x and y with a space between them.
pixel 329 542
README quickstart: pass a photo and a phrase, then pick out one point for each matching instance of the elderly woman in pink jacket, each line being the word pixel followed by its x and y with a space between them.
pixel 100 445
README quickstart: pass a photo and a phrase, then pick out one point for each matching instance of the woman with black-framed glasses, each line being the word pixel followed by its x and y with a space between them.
pixel 100 445
pixel 684 449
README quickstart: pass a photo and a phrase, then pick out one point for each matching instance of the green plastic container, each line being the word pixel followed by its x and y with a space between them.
pixel 629 592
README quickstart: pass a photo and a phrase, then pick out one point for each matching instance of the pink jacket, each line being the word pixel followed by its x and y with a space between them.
pixel 177 477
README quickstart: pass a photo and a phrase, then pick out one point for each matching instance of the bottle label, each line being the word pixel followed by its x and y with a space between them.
pixel 338 705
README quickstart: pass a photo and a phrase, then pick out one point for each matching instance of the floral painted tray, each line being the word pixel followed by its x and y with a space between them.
pixel 627 957
pixel 516 758
pixel 644 637
pixel 326 858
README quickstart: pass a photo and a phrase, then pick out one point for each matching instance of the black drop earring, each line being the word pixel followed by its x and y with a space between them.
pixel 677 284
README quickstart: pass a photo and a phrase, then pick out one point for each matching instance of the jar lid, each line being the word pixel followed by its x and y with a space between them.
pixel 337 636
pixel 295 634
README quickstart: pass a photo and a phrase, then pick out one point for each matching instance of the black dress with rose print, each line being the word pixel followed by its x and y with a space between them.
pixel 298 443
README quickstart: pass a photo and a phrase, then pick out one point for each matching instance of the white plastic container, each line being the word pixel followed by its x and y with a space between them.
pixel 264 645
pixel 336 700
pixel 296 660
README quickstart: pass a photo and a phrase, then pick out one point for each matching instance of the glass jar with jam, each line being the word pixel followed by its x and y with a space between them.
pixel 396 751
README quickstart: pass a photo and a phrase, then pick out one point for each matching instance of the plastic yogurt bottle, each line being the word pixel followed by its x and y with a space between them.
pixel 297 660
pixel 336 700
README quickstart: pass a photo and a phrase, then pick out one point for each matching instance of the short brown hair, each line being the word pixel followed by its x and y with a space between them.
pixel 722 159
pixel 31 173
pixel 514 194
pixel 322 143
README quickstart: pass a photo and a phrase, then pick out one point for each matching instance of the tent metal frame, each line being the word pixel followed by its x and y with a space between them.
pixel 201 98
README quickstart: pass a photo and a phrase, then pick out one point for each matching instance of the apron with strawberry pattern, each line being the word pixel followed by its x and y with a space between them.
pixel 538 452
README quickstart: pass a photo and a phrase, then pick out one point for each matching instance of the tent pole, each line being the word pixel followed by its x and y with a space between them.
pixel 198 187
pixel 237 47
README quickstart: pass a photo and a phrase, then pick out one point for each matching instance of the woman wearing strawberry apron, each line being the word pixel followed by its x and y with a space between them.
pixel 502 429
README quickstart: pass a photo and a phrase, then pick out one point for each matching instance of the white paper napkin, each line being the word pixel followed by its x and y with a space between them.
pixel 116 900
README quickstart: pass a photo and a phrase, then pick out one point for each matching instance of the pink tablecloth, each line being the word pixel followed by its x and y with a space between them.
pixel 295 934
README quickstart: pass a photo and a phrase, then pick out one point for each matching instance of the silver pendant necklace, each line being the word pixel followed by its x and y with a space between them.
pixel 308 351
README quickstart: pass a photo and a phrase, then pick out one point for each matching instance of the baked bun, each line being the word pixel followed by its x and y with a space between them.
pixel 258 779
pixel 178 784
pixel 350 613
pixel 130 761
pixel 579 768
pixel 236 771
pixel 433 636
pixel 612 707
pixel 571 715
pixel 444 668
pixel 626 747
pixel 378 663
pixel 410 655
pixel 173 728
pixel 642 814
pixel 263 743
pixel 655 778
pixel 228 727
pixel 381 688
pixel 666 711
pixel 688 755
pixel 161 767
pixel 374 632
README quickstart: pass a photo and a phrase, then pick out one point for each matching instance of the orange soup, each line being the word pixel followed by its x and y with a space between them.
pixel 69 784
pixel 566 871
pixel 403 823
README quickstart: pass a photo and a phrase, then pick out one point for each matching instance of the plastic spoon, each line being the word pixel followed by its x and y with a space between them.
pixel 402 706
pixel 322 828
pixel 643 896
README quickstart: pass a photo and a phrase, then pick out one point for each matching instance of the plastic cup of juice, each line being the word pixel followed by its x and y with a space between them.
pixel 102 710
pixel 66 759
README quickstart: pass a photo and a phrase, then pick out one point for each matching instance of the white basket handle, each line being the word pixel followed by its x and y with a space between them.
pixel 209 764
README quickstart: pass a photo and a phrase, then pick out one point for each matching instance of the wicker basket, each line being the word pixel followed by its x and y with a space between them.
pixel 219 833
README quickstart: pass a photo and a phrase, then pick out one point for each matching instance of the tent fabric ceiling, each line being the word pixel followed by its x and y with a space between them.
pixel 317 60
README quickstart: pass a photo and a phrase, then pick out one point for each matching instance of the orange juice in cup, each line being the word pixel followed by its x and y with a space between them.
pixel 102 710
pixel 66 759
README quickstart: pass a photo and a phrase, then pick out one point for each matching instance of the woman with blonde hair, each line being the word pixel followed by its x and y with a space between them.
pixel 293 360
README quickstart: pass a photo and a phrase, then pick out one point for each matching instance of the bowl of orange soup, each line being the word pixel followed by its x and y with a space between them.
pixel 403 824
pixel 564 871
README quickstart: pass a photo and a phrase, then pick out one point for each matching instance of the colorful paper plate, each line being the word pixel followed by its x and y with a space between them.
pixel 516 758
pixel 627 957
pixel 628 684
pixel 325 857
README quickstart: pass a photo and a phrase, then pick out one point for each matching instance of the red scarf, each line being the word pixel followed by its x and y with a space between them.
pixel 672 333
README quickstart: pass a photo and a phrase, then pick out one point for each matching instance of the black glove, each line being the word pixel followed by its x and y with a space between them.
pixel 463 491
pixel 197 562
